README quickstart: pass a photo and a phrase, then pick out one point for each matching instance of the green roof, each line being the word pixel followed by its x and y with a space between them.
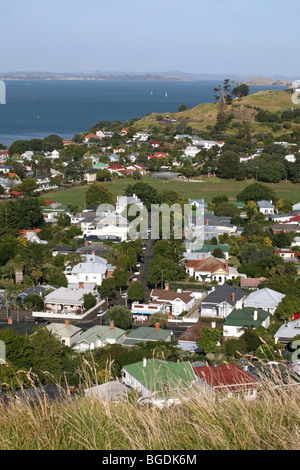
pixel 144 334
pixel 100 165
pixel 161 376
pixel 244 317
pixel 101 332
pixel 238 204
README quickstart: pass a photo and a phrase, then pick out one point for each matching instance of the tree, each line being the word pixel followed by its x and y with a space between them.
pixel 89 301
pixel 121 316
pixel 210 337
pixel 241 90
pixel 161 318
pixel 74 172
pixel 107 288
pixel 34 301
pixel 228 164
pixel 103 175
pixel 120 278
pixel 182 107
pixel 136 292
pixel 98 193
pixel 222 92
pixel 256 192
pixel 27 186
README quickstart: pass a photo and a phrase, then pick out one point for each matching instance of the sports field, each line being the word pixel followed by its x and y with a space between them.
pixel 197 189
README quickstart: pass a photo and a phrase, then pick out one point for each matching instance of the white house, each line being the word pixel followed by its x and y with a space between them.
pixel 266 207
pixel 92 270
pixel 124 201
pixel 247 317
pixel 221 301
pixel 112 225
pixel 66 333
pixel 174 303
pixel 99 336
pixel 287 332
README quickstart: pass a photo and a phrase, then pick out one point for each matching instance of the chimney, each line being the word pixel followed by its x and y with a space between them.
pixel 80 285
pixel 255 315
pixel 57 204
pixel 67 323
pixel 9 320
pixel 203 256
pixel 213 324
pixel 226 265
pixel 167 286
pixel 86 243
pixel 93 252
pixel 233 296
pixel 157 326
pixel 206 222
pixel 112 325
pixel 144 362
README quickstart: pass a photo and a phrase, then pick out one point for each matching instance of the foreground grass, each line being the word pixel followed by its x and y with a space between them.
pixel 270 422
pixel 203 189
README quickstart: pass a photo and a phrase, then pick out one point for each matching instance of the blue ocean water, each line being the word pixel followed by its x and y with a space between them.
pixel 38 108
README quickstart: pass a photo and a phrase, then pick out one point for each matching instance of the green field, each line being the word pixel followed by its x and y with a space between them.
pixel 202 189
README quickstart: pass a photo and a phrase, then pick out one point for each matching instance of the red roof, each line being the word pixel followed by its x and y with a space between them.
pixel 227 377
pixel 116 167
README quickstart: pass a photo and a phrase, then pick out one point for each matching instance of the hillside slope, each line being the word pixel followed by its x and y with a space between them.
pixel 203 116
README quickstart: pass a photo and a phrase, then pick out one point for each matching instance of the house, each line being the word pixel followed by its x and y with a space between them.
pixel 191 151
pixel 64 303
pixel 209 269
pixel 113 158
pixel 92 270
pixel 142 312
pixel 32 236
pixel 103 133
pixel 43 182
pixel 111 225
pixel 188 340
pixel 99 336
pixel 116 169
pixel 221 300
pixel 110 391
pixel 252 283
pixel 247 317
pixel 143 334
pixel 90 136
pixel 6 169
pixel 195 251
pixel 66 333
pixel 90 175
pixel 274 374
pixel 287 332
pixel 267 299
pixel 97 248
pixel 52 211
pixel 124 201
pixel 141 136
pixel 227 381
pixel 266 207
pixel 160 383
pixel 174 303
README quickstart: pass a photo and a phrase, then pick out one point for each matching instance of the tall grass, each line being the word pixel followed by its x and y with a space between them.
pixel 269 422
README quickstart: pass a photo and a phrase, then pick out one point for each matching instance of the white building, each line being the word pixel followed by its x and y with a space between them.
pixel 91 271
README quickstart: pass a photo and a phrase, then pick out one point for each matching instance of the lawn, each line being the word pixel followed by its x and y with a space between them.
pixel 202 189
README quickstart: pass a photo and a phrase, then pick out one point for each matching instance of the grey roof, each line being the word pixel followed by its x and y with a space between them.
pixel 108 391
pixel 224 293
pixel 264 298
pixel 287 331
pixel 265 204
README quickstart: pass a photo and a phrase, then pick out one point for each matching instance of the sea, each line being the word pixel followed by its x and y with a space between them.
pixel 38 108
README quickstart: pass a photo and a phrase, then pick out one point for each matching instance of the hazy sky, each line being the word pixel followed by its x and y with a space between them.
pixel 248 37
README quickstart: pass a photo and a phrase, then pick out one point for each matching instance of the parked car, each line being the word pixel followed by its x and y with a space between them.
pixel 41 321
pixel 138 265
pixel 134 279
pixel 137 273
pixel 124 295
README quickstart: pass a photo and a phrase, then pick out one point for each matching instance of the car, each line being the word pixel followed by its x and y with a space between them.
pixel 134 279
pixel 124 295
pixel 138 265
pixel 137 273
pixel 41 321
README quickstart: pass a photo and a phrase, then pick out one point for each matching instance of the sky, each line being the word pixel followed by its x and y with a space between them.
pixel 257 37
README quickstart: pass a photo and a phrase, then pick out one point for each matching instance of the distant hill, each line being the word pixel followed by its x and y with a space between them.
pixel 203 117
pixel 263 81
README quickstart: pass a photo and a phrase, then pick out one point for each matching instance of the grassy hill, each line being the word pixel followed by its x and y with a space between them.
pixel 242 109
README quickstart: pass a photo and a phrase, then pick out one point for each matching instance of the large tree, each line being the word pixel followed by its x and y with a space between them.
pixel 98 193
pixel 121 316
